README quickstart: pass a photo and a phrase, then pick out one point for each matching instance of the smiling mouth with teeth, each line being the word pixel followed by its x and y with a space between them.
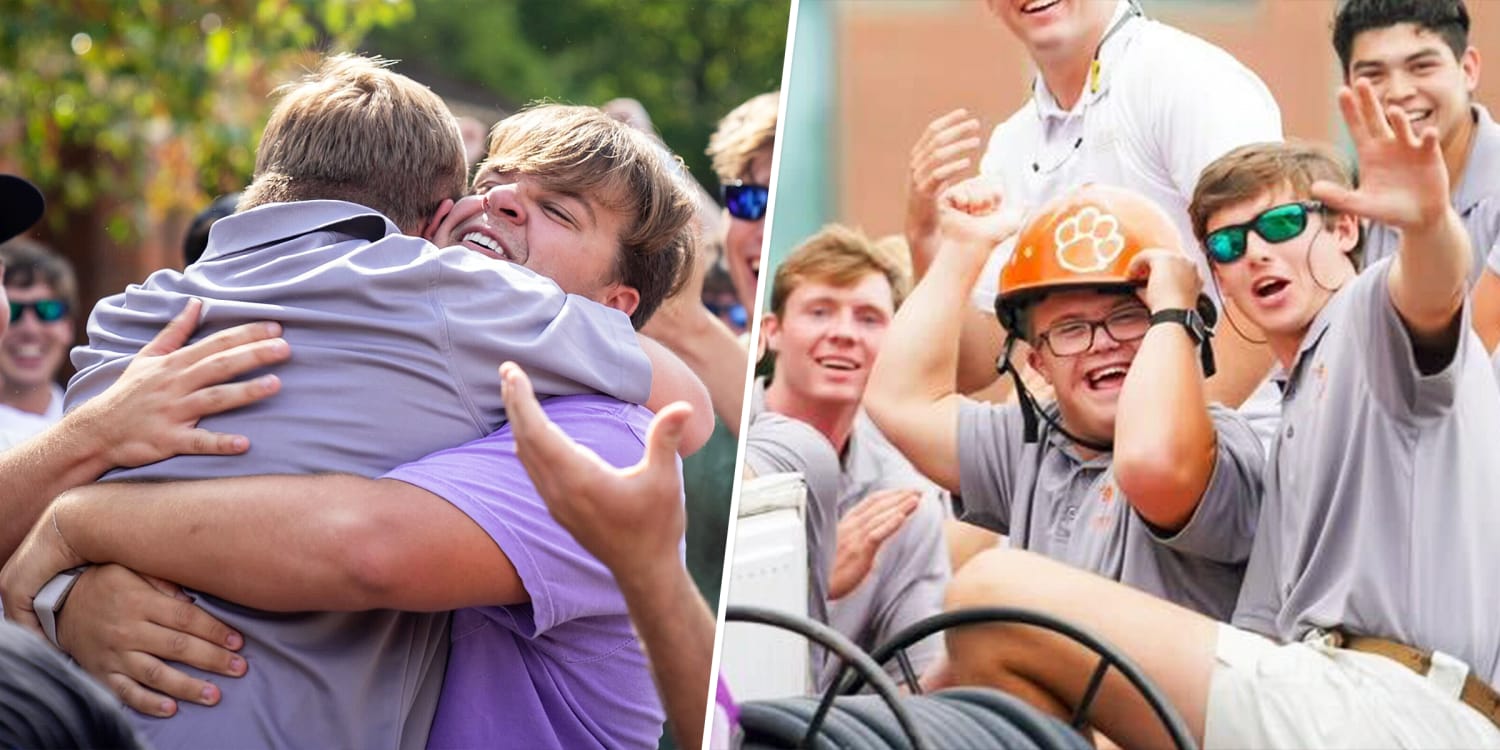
pixel 486 242
pixel 1038 6
pixel 843 365
pixel 1106 376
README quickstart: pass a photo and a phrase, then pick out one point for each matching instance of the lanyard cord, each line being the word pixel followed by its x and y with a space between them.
pixel 1094 66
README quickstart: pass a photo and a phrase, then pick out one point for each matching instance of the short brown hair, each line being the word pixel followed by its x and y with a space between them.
pixel 838 256
pixel 743 133
pixel 356 131
pixel 582 151
pixel 28 262
pixel 1255 169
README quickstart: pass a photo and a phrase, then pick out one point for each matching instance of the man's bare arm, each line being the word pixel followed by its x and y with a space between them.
pixel 671 381
pixel 149 414
pixel 704 343
pixel 293 543
pixel 911 393
pixel 1165 443
pixel 1404 184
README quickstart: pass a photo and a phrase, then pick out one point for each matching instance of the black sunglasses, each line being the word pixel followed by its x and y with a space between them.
pixel 1276 224
pixel 746 202
pixel 47 310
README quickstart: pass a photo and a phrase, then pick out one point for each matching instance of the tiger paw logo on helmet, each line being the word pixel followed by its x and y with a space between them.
pixel 1088 240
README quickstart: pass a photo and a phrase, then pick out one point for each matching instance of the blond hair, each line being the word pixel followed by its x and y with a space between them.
pixel 582 151
pixel 1255 169
pixel 743 134
pixel 839 256
pixel 356 131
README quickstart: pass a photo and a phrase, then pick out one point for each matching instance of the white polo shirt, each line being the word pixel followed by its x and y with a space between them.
pixel 1167 103
pixel 18 426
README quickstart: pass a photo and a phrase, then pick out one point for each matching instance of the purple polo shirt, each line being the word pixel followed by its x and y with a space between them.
pixel 565 670
pixel 395 345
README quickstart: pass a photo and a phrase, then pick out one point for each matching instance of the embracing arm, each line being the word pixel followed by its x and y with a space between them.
pixel 288 543
pixel 671 381
pixel 685 326
pixel 149 414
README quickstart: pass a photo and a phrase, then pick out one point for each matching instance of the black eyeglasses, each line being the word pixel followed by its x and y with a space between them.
pixel 1275 225
pixel 1077 336
pixel 47 310
pixel 744 201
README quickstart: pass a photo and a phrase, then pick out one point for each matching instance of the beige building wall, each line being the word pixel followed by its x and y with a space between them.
pixel 904 62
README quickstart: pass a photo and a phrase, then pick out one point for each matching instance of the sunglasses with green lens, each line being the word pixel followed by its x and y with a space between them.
pixel 1276 224
pixel 47 310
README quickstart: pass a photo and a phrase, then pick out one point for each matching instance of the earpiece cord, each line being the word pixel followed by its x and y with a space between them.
pixel 1030 409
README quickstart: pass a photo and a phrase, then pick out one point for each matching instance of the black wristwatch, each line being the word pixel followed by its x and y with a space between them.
pixel 1198 330
pixel 1189 319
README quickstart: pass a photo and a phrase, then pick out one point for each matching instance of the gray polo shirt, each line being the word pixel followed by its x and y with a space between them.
pixel 395 346
pixel 1379 513
pixel 1047 499
pixel 775 444
pixel 911 571
pixel 1477 201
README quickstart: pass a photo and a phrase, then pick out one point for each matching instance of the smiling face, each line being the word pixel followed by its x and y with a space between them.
pixel 1282 286
pixel 1055 29
pixel 32 351
pixel 1414 69
pixel 827 337
pixel 1087 385
pixel 743 238
pixel 571 239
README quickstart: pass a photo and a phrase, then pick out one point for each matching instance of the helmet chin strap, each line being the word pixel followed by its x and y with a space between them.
pixel 1031 410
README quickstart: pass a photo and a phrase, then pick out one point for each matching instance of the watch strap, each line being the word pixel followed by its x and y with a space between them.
pixel 49 601
pixel 1182 317
pixel 1192 321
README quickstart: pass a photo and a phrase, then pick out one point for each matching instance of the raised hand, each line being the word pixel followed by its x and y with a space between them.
pixel 940 158
pixel 973 216
pixel 631 519
pixel 1403 181
pixel 1172 280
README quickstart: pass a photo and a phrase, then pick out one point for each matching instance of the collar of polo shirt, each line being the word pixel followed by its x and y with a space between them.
pixel 1483 163
pixel 1113 46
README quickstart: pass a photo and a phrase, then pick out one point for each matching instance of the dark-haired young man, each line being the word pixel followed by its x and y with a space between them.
pixel 1416 54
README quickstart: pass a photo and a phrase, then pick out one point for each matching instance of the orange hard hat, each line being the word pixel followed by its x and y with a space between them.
pixel 1085 238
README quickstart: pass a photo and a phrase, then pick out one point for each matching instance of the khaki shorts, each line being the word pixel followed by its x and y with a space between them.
pixel 1310 695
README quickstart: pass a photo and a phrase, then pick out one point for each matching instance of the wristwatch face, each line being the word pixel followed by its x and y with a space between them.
pixel 1195 326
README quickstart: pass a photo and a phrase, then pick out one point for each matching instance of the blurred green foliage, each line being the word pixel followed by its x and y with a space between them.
pixel 123 104
pixel 123 112
pixel 688 61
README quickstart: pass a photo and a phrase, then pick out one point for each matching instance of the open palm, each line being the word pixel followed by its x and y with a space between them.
pixel 1403 181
